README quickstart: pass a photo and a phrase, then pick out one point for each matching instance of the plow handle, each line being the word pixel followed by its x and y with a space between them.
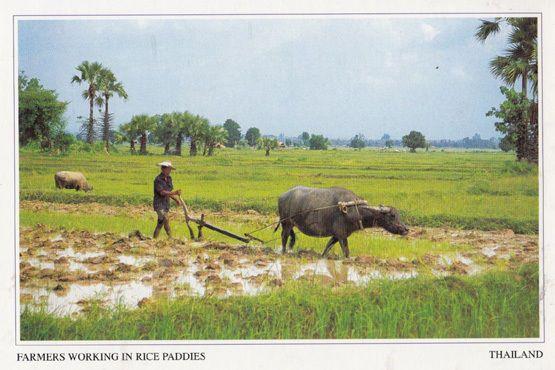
pixel 187 218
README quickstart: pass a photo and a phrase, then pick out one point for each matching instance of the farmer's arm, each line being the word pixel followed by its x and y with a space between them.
pixel 159 187
pixel 175 196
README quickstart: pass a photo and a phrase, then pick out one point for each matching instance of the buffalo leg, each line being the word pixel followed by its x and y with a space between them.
pixel 286 229
pixel 292 240
pixel 344 247
pixel 330 244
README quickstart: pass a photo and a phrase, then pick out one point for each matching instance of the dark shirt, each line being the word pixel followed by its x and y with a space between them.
pixel 161 202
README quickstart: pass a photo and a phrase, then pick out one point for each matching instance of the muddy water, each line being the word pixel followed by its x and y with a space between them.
pixel 68 271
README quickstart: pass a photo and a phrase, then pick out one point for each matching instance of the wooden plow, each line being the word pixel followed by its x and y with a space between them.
pixel 248 237
pixel 202 223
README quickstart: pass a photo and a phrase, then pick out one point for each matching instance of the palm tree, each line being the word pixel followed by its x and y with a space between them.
pixel 108 85
pixel 195 131
pixel 182 122
pixel 89 74
pixel 143 124
pixel 520 59
pixel 130 133
pixel 166 128
pixel 518 63
pixel 214 135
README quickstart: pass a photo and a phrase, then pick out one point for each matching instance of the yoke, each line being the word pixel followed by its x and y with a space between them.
pixel 344 205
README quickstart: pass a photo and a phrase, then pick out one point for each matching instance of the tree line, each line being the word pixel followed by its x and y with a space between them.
pixel 172 129
pixel 475 142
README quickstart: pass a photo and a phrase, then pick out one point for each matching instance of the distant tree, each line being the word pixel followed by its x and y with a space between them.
pixel 358 141
pixel 196 130
pixel 165 129
pixel 385 137
pixel 252 136
pixel 89 73
pixel 183 121
pixel 62 141
pixel 119 136
pixel 108 85
pixel 318 142
pixel 130 132
pixel 143 124
pixel 389 143
pixel 214 135
pixel 288 142
pixel 40 114
pixel 233 132
pixel 414 140
pixel 512 115
pixel 268 143
pixel 305 138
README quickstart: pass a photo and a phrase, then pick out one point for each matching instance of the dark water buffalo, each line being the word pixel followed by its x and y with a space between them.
pixel 296 210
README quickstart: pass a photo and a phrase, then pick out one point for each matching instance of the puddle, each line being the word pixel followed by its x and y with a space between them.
pixel 135 261
pixel 76 266
pixel 444 260
pixel 241 277
pixel 57 238
pixel 251 271
pixel 465 260
pixel 275 269
pixel 398 275
pixel 251 289
pixel 440 273
pixel 70 252
pixel 71 299
pixel 489 251
pixel 354 276
pixel 318 268
pixel 474 269
pixel 189 278
pixel 40 264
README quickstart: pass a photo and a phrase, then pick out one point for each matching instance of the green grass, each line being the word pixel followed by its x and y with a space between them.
pixel 471 190
pixel 494 305
pixel 360 243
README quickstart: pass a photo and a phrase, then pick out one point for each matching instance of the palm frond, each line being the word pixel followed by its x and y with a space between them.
pixel 76 79
pixel 487 28
pixel 99 101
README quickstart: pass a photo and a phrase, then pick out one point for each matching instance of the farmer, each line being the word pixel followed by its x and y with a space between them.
pixel 163 190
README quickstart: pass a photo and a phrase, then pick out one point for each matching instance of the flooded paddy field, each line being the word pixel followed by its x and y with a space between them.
pixel 68 271
pixel 467 269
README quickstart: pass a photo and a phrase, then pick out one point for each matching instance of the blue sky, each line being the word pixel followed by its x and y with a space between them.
pixel 334 76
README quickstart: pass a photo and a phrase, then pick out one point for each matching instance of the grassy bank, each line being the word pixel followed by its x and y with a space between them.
pixel 469 190
pixel 493 305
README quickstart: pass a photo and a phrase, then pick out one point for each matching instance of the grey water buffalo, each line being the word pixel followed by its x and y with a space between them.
pixel 71 180
pixel 332 212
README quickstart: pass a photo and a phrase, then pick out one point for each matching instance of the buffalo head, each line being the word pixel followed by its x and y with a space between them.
pixel 386 217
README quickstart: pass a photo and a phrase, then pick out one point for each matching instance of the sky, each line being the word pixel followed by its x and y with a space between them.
pixel 336 76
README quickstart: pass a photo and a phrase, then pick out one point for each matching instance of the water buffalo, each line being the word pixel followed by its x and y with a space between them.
pixel 71 180
pixel 328 219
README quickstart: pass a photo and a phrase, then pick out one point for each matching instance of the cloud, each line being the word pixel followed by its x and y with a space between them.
pixel 430 32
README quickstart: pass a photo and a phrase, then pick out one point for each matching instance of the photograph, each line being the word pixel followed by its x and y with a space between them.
pixel 278 177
